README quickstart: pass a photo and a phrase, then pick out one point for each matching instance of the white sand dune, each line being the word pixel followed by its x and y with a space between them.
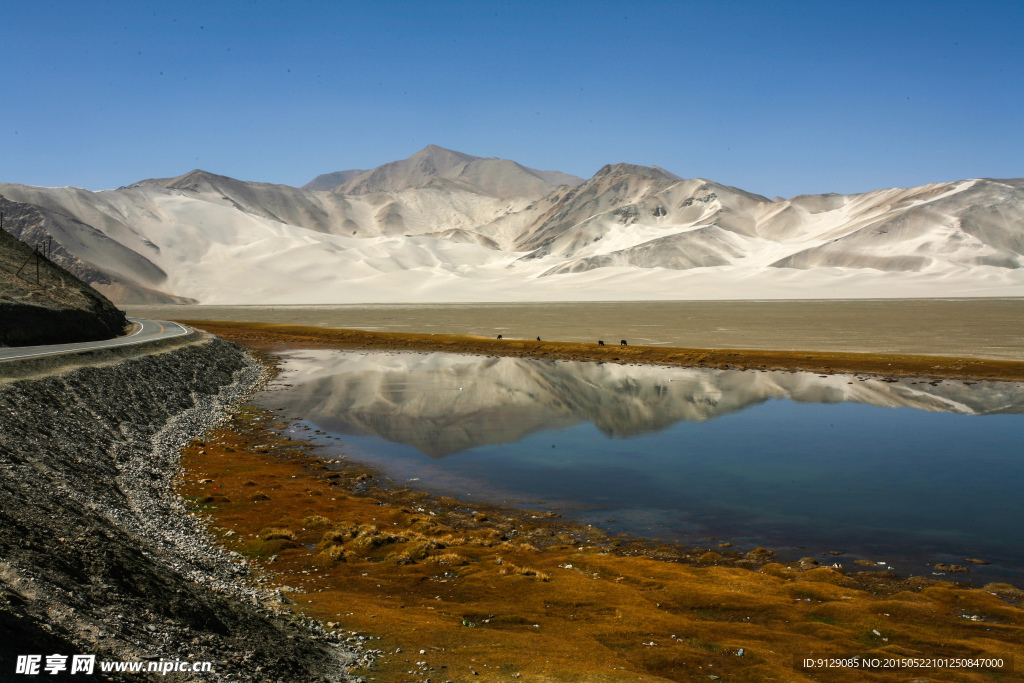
pixel 442 226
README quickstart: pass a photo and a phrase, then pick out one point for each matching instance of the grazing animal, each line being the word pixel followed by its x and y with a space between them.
pixel 623 343
pixel 600 343
pixel 499 336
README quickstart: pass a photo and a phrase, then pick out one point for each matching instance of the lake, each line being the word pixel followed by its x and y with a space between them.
pixel 907 473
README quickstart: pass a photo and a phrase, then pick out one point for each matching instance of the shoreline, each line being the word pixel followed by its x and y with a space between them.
pixel 482 592
pixel 267 336
pixel 449 590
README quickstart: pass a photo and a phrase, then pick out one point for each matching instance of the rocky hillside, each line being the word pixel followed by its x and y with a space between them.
pixel 45 303
pixel 98 555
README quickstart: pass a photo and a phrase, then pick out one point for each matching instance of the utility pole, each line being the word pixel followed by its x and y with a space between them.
pixel 18 274
pixel 41 251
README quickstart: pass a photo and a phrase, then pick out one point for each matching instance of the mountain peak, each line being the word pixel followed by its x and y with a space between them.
pixel 436 151
pixel 652 172
pixel 488 176
pixel 435 160
pixel 185 180
pixel 196 174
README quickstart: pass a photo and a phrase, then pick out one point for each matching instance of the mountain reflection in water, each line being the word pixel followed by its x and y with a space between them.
pixel 441 404
pixel 908 472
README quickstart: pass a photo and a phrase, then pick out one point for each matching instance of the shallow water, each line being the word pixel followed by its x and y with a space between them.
pixel 983 328
pixel 907 473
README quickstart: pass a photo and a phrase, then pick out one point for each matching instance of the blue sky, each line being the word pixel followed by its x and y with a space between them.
pixel 776 98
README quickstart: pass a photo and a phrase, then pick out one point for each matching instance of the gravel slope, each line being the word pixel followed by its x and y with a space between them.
pixel 97 553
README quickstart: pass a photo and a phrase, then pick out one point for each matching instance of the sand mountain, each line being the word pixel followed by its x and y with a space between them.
pixel 698 223
pixel 437 204
pixel 94 239
pixel 446 226
pixel 443 404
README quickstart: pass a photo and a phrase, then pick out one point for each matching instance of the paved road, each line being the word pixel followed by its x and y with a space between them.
pixel 146 331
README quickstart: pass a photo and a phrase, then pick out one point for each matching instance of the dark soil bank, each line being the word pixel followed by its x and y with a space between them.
pixel 97 553
pixel 22 325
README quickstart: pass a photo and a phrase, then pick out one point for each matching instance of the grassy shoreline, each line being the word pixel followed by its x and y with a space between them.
pixel 268 336
pixel 481 593
pixel 466 587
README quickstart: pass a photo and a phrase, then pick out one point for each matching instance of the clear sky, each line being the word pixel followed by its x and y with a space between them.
pixel 776 98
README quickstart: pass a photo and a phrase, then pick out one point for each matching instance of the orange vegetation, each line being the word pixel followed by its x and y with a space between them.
pixel 466 593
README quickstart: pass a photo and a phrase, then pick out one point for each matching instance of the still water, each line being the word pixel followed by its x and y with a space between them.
pixel 907 473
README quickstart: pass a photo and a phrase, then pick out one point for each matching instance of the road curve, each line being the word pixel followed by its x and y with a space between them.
pixel 146 331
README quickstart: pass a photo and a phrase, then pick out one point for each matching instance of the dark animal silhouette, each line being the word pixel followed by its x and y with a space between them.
pixel 600 343
pixel 499 336
pixel 623 343
pixel 538 338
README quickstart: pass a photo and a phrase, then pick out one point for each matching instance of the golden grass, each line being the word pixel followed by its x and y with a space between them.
pixel 558 613
pixel 330 556
pixel 340 534
pixel 316 520
pixel 275 533
pixel 449 559
pixel 530 572
pixel 371 540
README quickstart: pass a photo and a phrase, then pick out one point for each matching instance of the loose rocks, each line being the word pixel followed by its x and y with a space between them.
pixel 97 553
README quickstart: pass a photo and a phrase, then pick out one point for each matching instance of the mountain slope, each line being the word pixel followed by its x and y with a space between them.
pixel 697 223
pixel 439 204
pixel 439 227
pixel 44 303
pixel 329 181
pixel 114 257
pixel 971 223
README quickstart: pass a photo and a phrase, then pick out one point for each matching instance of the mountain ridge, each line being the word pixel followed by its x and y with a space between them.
pixel 447 226
pixel 498 177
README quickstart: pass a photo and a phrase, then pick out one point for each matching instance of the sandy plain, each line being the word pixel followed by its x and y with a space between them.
pixel 975 328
